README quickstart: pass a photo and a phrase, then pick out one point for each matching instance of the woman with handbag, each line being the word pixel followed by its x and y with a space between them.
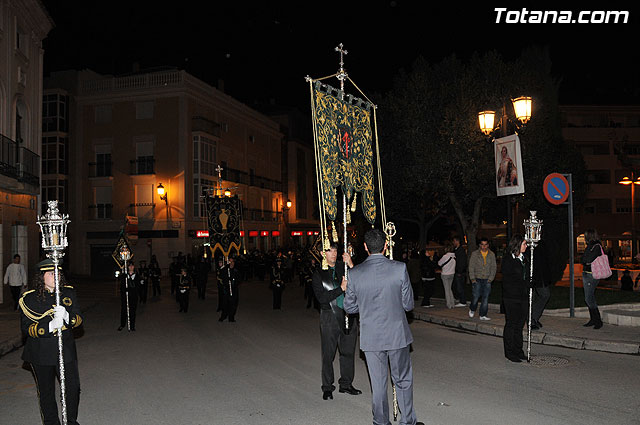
pixel 589 282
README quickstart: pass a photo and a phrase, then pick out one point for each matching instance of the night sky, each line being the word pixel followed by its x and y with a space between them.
pixel 263 50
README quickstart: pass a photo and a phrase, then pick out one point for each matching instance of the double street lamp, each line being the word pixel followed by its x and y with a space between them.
pixel 486 120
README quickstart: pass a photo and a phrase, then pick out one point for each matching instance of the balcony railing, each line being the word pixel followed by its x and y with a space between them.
pixel 29 167
pixel 8 160
pixel 100 169
pixel 19 163
pixel 100 211
pixel 238 176
pixel 261 215
pixel 142 165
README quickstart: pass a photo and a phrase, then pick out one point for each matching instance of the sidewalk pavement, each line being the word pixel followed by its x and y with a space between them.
pixel 558 328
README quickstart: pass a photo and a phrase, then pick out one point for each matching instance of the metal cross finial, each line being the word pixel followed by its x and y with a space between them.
pixel 219 170
pixel 341 73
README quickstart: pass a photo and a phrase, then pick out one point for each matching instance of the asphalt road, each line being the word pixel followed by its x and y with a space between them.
pixel 189 368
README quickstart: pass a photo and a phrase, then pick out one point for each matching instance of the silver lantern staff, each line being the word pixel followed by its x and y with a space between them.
pixel 53 227
pixel 125 255
pixel 533 233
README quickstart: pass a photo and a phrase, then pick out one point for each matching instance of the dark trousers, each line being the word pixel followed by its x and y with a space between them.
pixel 174 283
pixel 515 318
pixel 332 338
pixel 142 293
pixel 133 304
pixel 220 296
pixel 183 299
pixel 427 291
pixel 378 363
pixel 229 307
pixel 277 297
pixel 156 286
pixel 458 285
pixel 541 296
pixel 46 377
pixel 15 294
pixel 202 288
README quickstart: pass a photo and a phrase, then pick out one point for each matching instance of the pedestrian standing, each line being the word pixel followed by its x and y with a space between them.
pixel 515 296
pixel 184 288
pixel 154 275
pixel 40 323
pixel 16 277
pixel 589 283
pixel 277 283
pixel 428 267
pixel 482 271
pixel 144 282
pixel 448 266
pixel 415 275
pixel 460 278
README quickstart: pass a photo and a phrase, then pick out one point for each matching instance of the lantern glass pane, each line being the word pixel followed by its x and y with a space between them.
pixel 522 108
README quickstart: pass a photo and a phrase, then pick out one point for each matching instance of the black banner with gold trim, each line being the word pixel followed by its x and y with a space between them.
pixel 224 218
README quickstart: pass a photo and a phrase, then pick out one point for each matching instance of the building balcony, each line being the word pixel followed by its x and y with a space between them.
pixel 141 166
pixel 261 215
pixel 242 177
pixel 100 211
pixel 100 169
pixel 20 165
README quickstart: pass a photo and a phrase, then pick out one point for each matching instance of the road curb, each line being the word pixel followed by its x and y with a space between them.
pixel 537 337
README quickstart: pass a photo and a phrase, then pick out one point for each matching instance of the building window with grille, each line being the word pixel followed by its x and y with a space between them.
pixel 54 190
pixel 102 205
pixel 54 155
pixel 204 155
pixel 144 162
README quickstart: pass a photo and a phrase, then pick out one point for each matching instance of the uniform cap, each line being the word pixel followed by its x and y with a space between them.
pixel 47 265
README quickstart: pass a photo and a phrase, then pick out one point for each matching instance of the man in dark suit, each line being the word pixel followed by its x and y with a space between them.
pixel 329 290
pixel 379 290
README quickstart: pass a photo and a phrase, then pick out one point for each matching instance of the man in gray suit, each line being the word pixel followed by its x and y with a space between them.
pixel 380 290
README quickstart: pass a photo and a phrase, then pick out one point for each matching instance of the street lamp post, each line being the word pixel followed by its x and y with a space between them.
pixel 632 182
pixel 486 119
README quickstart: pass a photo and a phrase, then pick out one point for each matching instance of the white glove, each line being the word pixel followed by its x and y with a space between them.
pixel 55 323
pixel 61 313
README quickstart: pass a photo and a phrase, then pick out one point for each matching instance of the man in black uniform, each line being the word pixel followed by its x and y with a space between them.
pixel 277 283
pixel 154 275
pixel 129 283
pixel 219 270
pixel 40 320
pixel 184 288
pixel 328 288
pixel 230 280
pixel 174 273
pixel 144 282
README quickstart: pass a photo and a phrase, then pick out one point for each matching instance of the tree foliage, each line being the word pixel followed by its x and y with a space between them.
pixel 435 156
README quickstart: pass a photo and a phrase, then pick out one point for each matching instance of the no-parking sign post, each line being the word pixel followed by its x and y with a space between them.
pixel 558 189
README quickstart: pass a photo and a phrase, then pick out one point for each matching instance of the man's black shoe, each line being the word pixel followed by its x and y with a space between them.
pixel 121 328
pixel 534 325
pixel 514 359
pixel 350 390
pixel 326 395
